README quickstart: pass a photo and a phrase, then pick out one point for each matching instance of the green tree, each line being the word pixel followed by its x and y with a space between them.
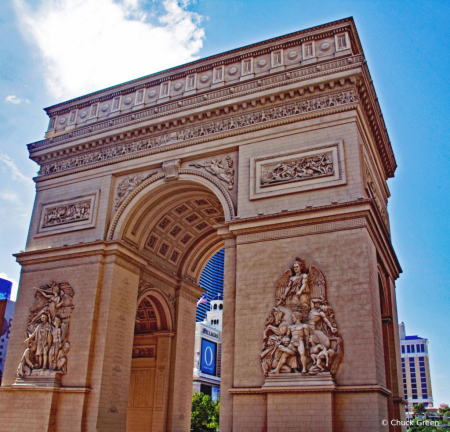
pixel 418 426
pixel 419 409
pixel 205 413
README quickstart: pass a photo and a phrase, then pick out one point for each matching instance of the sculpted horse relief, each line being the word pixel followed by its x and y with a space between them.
pixel 301 335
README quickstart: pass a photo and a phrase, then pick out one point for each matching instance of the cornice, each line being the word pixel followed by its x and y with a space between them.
pixel 272 112
pixel 215 60
pixel 230 92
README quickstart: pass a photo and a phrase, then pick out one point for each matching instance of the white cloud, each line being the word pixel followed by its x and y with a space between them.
pixel 15 100
pixel 14 288
pixel 15 172
pixel 88 45
pixel 9 196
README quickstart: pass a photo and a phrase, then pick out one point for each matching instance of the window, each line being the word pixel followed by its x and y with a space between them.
pixel 308 50
pixel 190 82
pixel 422 375
pixel 404 380
pixel 414 397
pixel 247 66
pixel 422 359
pixel 212 322
pixel 413 380
pixel 218 74
pixel 422 369
pixel 412 369
pixel 215 306
pixel 277 58
pixel 405 386
pixel 164 89
pixel 404 375
pixel 221 306
pixel 72 117
pixel 413 375
pixel 411 359
pixel 412 348
pixel 425 396
pixel 52 123
pixel 94 109
pixel 116 103
pixel 403 351
pixel 424 380
pixel 414 386
pixel 408 349
pixel 422 364
pixel 341 41
pixel 139 97
pixel 414 390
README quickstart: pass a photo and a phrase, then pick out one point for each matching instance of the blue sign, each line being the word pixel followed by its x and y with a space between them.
pixel 208 361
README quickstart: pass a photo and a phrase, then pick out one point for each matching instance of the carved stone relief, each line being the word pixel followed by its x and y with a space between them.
pixel 301 334
pixel 59 215
pixel 298 169
pixel 144 351
pixel 47 332
pixel 71 214
pixel 303 106
pixel 222 168
pixel 128 184
pixel 171 168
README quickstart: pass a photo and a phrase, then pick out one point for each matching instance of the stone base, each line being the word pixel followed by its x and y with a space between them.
pixel 39 378
pixel 290 380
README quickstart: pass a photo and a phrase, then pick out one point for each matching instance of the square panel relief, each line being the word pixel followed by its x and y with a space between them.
pixel 297 170
pixel 69 215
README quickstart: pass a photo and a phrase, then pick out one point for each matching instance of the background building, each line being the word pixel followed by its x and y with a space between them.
pixel 415 369
pixel 6 315
pixel 212 281
pixel 208 349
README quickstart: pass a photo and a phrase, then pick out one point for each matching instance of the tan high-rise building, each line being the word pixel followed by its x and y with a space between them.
pixel 415 369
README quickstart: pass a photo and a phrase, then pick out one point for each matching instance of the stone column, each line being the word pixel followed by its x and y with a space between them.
pixel 162 375
pixel 181 368
pixel 227 368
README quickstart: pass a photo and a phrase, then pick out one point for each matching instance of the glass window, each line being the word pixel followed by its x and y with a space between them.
pixel 404 375
pixel 404 380
pixel 413 375
pixel 414 397
pixel 422 358
pixel 422 375
pixel 423 349
pixel 422 364
pixel 414 386
pixel 413 380
pixel 403 349
pixel 414 391
pixel 425 396
pixel 404 386
pixel 408 348
pixel 423 380
pixel 422 369
pixel 403 360
pixel 411 359
pixel 412 369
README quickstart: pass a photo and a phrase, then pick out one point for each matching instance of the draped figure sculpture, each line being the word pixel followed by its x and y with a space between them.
pixel 301 335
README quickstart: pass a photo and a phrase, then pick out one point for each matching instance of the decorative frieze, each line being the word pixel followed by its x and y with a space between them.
pixel 296 171
pixel 303 106
pixel 72 214
pixel 144 351
pixel 301 334
pixel 47 335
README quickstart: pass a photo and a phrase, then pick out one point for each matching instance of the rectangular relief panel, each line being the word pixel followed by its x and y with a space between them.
pixel 297 170
pixel 69 215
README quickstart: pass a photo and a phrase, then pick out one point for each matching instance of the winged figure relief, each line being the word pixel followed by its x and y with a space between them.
pixel 301 331
pixel 47 330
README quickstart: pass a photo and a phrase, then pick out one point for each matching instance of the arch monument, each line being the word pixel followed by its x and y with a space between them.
pixel 278 153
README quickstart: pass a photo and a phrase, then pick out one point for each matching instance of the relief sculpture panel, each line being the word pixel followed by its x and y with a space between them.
pixel 301 334
pixel 47 333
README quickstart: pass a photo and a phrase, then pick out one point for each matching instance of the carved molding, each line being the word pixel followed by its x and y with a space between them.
pixel 45 358
pixel 301 333
pixel 304 106
pixel 171 169
pixel 144 351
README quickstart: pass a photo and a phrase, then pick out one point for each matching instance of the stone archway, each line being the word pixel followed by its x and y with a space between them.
pixel 174 225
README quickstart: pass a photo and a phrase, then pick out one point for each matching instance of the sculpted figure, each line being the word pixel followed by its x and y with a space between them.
pixel 27 363
pixel 61 360
pixel 56 342
pixel 302 322
pixel 221 168
pixel 299 334
pixel 42 335
pixel 285 358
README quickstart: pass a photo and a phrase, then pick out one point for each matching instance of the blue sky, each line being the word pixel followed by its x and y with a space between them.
pixel 53 50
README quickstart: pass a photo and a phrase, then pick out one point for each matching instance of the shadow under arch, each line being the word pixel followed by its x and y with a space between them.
pixel 165 316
